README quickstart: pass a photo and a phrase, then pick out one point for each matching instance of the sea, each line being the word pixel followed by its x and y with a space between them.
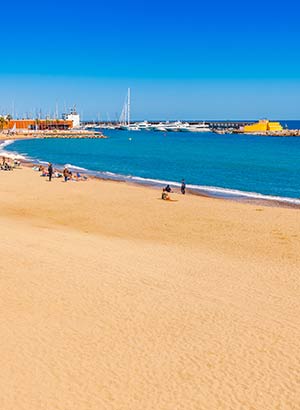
pixel 228 166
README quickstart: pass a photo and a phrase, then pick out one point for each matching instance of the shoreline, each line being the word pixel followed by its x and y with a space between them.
pixel 201 191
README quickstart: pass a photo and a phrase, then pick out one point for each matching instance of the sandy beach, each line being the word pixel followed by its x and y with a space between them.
pixel 114 299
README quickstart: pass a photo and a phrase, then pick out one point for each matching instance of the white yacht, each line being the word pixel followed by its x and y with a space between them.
pixel 132 127
pixel 176 126
pixel 201 127
pixel 161 126
pixel 144 125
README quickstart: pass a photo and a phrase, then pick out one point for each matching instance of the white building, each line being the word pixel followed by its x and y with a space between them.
pixel 72 116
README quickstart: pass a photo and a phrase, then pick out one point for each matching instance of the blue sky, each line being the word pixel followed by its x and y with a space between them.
pixel 191 59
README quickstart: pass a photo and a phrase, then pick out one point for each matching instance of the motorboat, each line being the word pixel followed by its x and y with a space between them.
pixel 144 125
pixel 202 127
pixel 161 126
pixel 174 126
pixel 132 128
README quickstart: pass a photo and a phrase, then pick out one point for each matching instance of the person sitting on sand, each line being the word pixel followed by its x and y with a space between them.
pixel 6 166
pixel 167 188
pixel 165 196
pixel 80 177
pixel 66 174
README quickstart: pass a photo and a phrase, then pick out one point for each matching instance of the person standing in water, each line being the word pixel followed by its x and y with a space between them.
pixel 182 189
pixel 50 171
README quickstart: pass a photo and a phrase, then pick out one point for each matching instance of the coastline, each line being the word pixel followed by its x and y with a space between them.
pixel 201 191
pixel 113 298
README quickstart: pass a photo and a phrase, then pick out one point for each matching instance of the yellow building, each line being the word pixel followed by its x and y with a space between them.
pixel 263 126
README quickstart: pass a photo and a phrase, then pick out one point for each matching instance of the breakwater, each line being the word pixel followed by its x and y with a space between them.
pixel 47 134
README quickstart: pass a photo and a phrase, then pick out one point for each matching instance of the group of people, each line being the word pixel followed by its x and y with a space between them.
pixel 9 164
pixel 47 171
pixel 67 174
pixel 70 176
pixel 167 190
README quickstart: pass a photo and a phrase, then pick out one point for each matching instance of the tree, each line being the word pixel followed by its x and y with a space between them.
pixel 3 121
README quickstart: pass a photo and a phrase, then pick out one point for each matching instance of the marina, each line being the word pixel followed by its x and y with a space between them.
pixel 69 125
pixel 169 126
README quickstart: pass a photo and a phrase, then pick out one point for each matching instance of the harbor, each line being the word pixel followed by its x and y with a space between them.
pixel 169 126
pixel 70 125
pixel 124 123
pixel 217 127
pixel 95 129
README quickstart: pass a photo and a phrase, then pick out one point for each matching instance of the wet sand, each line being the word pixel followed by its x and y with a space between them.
pixel 114 299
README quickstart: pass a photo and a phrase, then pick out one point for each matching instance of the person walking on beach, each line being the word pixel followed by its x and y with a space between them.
pixel 182 189
pixel 50 171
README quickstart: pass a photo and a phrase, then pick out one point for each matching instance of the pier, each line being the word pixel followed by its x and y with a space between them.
pixel 227 125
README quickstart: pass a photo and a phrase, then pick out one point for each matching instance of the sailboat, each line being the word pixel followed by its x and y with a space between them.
pixel 125 115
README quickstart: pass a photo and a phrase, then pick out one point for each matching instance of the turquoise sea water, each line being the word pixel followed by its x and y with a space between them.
pixel 222 165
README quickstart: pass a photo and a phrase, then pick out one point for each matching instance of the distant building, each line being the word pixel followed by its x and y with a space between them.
pixel 37 125
pixel 73 116
pixel 263 126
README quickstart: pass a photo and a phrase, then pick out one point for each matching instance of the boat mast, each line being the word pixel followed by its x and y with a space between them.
pixel 128 107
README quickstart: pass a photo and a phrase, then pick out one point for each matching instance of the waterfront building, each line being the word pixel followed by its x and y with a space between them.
pixel 72 116
pixel 46 124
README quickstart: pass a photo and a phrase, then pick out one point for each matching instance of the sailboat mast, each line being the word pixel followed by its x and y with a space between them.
pixel 128 107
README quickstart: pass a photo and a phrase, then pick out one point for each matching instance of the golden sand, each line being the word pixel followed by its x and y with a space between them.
pixel 114 299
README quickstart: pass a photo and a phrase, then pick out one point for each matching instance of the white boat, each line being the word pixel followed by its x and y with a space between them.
pixel 111 127
pixel 159 127
pixel 178 126
pixel 144 125
pixel 132 128
pixel 121 127
pixel 202 127
pixel 125 116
